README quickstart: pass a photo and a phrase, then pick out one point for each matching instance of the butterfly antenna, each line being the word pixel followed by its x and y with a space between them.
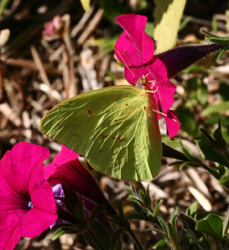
pixel 127 57
pixel 125 62
pixel 163 114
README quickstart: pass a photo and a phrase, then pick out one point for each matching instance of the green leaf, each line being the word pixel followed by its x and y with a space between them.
pixel 163 225
pixel 93 233
pixel 167 16
pixel 113 128
pixel 186 152
pixel 210 153
pixel 169 151
pixel 58 233
pixel 120 207
pixel 189 225
pixel 156 210
pixel 91 241
pixel 106 45
pixel 224 91
pixel 214 25
pixel 193 68
pixel 222 145
pixel 215 38
pixel 170 143
pixel 3 5
pixel 185 164
pixel 192 85
pixel 215 117
pixel 142 195
pixel 112 9
pixel 189 240
pixel 186 241
pixel 202 94
pixel 173 238
pixel 173 218
pixel 222 107
pixel 223 40
pixel 135 217
pixel 136 247
pixel 214 149
pixel 149 29
pixel 74 204
pixel 161 244
pixel 212 226
pixel 185 22
pixel 137 204
pixel 86 4
pixel 224 179
pixel 130 191
pixel 187 120
pixel 158 231
pixel 100 230
pixel 96 211
pixel 116 238
pixel 191 211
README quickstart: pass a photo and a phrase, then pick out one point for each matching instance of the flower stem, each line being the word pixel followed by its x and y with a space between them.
pixel 139 246
pixel 94 238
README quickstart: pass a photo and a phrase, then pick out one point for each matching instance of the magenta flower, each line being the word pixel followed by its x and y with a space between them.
pixel 27 204
pixel 135 49
pixel 69 172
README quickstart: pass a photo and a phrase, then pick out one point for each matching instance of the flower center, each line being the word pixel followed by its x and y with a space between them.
pixel 30 205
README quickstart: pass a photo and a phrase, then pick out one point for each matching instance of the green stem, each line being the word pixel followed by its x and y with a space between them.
pixel 212 171
pixel 135 239
pixel 96 241
pixel 215 174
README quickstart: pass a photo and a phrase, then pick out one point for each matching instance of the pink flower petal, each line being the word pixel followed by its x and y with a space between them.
pixel 10 235
pixel 164 95
pixel 126 52
pixel 172 123
pixel 134 26
pixel 135 73
pixel 26 158
pixel 72 175
pixel 135 50
pixel 6 190
pixel 158 71
pixel 22 181
pixel 64 156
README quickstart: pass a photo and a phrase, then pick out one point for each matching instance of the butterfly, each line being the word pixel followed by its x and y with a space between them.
pixel 114 128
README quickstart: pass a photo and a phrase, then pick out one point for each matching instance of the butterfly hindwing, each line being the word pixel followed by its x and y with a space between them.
pixel 113 128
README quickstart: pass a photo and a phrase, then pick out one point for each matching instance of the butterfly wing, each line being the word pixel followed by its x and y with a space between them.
pixel 113 128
